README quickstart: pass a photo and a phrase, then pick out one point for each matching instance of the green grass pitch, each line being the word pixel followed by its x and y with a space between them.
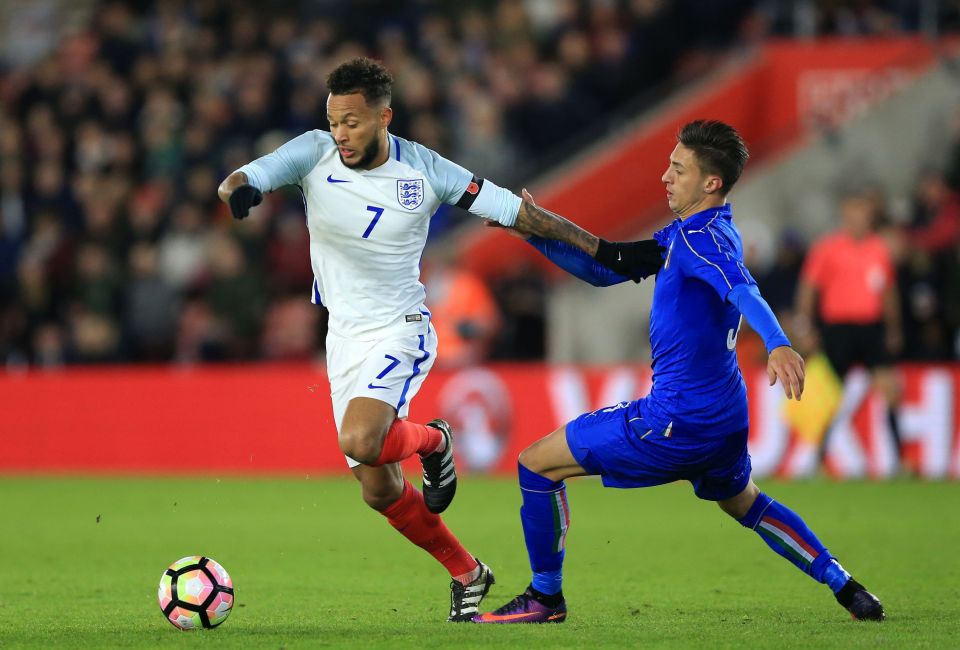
pixel 313 567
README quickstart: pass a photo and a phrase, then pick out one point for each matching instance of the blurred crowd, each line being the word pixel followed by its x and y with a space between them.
pixel 116 129
pixel 112 143
pixel 922 238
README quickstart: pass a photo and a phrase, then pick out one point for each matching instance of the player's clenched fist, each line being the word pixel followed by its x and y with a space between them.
pixel 787 366
pixel 242 199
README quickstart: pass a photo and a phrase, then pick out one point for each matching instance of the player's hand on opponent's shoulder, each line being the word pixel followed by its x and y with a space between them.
pixel 786 365
pixel 242 199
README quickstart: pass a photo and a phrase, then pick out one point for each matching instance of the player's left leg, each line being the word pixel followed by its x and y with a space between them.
pixel 373 384
pixel 545 517
pixel 788 535
pixel 386 490
pixel 614 443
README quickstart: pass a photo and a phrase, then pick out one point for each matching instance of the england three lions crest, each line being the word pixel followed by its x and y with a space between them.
pixel 410 193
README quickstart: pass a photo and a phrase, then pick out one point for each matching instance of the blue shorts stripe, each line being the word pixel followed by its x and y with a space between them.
pixel 416 371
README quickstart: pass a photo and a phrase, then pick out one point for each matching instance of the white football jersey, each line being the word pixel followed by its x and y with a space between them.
pixel 368 228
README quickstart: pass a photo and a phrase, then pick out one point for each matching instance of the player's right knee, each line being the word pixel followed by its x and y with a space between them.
pixel 360 446
pixel 528 459
pixel 536 457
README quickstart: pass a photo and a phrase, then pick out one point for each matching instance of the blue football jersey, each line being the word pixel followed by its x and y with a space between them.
pixel 697 386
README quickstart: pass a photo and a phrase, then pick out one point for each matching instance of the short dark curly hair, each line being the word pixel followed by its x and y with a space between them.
pixel 364 76
pixel 718 147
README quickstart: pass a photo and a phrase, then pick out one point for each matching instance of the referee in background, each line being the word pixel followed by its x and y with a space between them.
pixel 847 297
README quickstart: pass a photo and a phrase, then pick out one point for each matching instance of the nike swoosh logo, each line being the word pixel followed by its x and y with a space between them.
pixel 370 385
pixel 331 179
pixel 490 616
pixel 618 257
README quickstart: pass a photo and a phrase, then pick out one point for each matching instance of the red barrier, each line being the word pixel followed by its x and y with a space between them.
pixel 269 419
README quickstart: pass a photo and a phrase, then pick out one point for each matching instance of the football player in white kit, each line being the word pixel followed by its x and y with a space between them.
pixel 369 196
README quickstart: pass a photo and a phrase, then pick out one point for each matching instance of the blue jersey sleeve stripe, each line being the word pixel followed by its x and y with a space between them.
pixel 713 236
pixel 738 262
pixel 693 250
pixel 396 146
pixel 743 272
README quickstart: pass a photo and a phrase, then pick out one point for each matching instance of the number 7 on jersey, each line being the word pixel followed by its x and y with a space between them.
pixel 376 217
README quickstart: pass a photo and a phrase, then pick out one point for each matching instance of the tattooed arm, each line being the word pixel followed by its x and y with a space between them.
pixel 635 260
pixel 534 220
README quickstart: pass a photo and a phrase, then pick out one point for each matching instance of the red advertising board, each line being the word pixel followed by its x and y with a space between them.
pixel 277 419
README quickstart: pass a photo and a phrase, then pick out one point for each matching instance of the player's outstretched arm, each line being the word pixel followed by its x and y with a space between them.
pixel 571 259
pixel 534 220
pixel 634 260
pixel 287 165
pixel 783 362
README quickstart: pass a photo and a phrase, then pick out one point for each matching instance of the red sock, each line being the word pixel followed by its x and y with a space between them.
pixel 404 439
pixel 411 518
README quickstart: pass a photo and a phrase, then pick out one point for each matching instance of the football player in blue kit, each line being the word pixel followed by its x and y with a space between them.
pixel 693 424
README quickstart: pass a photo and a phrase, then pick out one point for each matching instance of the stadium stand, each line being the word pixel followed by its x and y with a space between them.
pixel 117 120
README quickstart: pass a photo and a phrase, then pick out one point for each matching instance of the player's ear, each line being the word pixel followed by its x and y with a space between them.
pixel 386 116
pixel 713 184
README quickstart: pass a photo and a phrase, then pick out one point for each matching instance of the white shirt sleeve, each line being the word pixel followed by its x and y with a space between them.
pixel 496 203
pixel 450 182
pixel 288 165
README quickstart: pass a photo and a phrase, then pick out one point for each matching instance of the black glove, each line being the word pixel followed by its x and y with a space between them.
pixel 634 259
pixel 242 199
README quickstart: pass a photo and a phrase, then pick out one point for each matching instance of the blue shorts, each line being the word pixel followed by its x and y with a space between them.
pixel 617 445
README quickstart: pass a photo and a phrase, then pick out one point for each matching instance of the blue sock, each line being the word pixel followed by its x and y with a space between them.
pixel 545 518
pixel 786 533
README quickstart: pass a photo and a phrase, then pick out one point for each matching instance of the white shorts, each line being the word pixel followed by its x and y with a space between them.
pixel 388 369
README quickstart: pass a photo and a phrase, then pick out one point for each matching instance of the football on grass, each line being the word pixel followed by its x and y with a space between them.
pixel 195 591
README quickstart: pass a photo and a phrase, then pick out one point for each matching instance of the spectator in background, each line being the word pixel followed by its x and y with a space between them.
pixel 522 297
pixel 97 283
pixel 848 295
pixel 93 337
pixel 151 306
pixel 951 306
pixel 289 256
pixel 778 283
pixel 292 329
pixel 236 296
pixel 49 346
pixel 935 222
pixel 464 312
pixel 184 248
pixel 920 283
